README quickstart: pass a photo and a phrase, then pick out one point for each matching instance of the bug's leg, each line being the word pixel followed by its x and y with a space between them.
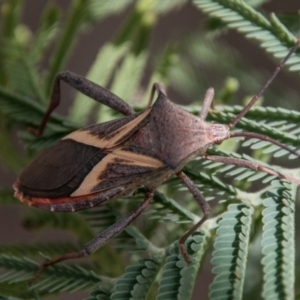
pixel 250 165
pixel 205 208
pixel 101 239
pixel 86 87
pixel 263 138
pixel 207 103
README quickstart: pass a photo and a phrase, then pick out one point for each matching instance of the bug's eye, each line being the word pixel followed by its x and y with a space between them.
pixel 219 141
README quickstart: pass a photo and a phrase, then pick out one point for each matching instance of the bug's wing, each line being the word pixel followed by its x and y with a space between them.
pixel 59 170
pixel 119 168
pixel 118 173
pixel 87 162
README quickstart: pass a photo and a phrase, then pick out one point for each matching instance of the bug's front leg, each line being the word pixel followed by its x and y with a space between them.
pixel 205 208
pixel 250 165
pixel 87 87
pixel 101 239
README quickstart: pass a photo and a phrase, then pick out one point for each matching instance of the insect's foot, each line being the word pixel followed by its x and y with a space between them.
pixel 37 274
pixel 43 266
pixel 33 131
pixel 185 254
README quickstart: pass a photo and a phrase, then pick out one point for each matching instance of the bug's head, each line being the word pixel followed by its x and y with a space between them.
pixel 217 133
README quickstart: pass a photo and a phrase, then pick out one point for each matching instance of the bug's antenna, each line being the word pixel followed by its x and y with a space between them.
pixel 263 88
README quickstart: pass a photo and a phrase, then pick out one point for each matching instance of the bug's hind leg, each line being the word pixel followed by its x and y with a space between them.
pixel 205 208
pixel 101 239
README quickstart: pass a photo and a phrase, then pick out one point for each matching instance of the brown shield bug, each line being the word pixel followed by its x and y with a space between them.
pixel 113 159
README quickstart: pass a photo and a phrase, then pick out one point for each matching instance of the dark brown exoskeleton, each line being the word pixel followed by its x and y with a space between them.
pixel 113 159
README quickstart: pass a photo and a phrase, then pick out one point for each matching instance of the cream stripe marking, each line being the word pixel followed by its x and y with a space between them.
pixel 124 130
pixel 139 160
pixel 91 140
pixel 130 158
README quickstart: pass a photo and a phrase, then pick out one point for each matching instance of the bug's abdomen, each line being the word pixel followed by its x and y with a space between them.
pixel 59 170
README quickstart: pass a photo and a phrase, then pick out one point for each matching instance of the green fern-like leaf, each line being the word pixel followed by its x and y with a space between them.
pixel 21 109
pixel 166 205
pixel 69 222
pixel 100 294
pixel 136 281
pixel 124 85
pixel 51 249
pixel 47 32
pixel 98 10
pixel 272 35
pixel 230 255
pixel 100 73
pixel 167 5
pixel 278 246
pixel 177 277
pixel 60 278
pixel 3 297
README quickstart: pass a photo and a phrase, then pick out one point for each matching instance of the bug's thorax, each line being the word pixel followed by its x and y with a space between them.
pixel 181 136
